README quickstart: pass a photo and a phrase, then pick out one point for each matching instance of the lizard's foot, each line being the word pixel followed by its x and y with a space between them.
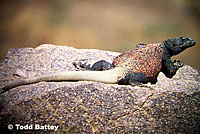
pixel 81 66
pixel 178 64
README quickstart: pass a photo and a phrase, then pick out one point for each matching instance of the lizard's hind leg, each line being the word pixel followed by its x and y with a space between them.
pixel 135 79
pixel 97 66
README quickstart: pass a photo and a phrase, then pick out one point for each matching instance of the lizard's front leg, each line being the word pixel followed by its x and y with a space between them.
pixel 169 68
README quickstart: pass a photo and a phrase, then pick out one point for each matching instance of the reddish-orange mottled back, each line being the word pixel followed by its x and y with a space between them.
pixel 146 59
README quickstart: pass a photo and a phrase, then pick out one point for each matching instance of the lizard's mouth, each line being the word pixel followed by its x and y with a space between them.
pixel 191 42
pixel 187 42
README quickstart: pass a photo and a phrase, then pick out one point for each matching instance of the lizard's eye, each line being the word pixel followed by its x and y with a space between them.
pixel 183 38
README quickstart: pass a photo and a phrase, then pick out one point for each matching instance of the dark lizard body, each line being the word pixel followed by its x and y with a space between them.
pixel 139 65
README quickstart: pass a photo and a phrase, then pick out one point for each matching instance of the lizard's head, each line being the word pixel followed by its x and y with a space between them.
pixel 177 45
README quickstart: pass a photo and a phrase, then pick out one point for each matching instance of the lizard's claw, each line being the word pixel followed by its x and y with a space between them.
pixel 80 66
pixel 178 63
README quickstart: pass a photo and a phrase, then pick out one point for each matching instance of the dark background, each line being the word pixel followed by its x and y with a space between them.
pixel 115 25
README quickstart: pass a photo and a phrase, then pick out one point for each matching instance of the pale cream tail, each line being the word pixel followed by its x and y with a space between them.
pixel 108 76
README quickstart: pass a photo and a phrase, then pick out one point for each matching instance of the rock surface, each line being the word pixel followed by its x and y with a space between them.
pixel 169 106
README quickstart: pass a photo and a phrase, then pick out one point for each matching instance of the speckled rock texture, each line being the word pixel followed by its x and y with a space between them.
pixel 169 106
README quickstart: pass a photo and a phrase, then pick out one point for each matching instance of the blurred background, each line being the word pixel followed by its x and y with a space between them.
pixel 115 25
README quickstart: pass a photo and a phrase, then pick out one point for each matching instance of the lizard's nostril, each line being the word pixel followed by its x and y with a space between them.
pixel 193 42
